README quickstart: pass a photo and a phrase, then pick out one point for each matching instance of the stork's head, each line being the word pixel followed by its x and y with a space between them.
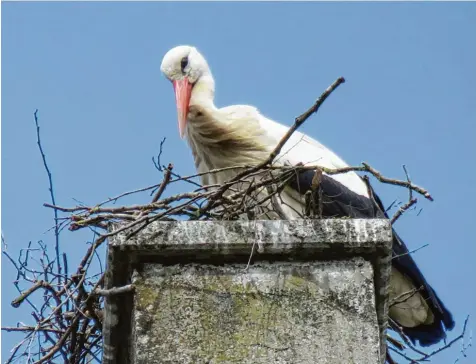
pixel 184 66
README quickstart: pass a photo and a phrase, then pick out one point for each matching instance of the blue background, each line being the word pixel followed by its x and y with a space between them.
pixel 92 70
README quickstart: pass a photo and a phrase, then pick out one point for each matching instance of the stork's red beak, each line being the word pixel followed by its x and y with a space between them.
pixel 183 92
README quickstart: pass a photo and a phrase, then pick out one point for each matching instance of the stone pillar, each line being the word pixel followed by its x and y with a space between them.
pixel 304 291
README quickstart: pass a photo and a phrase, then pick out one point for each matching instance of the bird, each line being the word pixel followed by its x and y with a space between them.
pixel 241 135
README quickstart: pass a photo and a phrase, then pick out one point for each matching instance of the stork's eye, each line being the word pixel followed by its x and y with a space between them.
pixel 183 63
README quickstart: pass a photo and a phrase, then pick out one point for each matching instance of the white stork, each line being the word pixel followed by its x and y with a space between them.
pixel 240 135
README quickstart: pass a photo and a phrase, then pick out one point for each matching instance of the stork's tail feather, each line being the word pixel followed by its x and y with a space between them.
pixel 426 335
pixel 429 333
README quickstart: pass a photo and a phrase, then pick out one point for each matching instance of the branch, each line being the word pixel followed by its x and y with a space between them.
pixel 406 184
pixel 411 251
pixel 38 284
pixel 52 195
pixel 410 203
pixel 301 119
pixel 403 297
pixel 33 328
pixel 158 164
pixel 402 209
pixel 365 167
pixel 164 183
pixel 114 291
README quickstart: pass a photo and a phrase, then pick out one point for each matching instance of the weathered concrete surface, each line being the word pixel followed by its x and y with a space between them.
pixel 321 312
pixel 313 286
pixel 202 238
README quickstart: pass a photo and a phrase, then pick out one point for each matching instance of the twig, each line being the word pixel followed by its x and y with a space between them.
pixel 17 301
pixel 402 209
pixel 114 199
pixel 52 195
pixel 276 206
pixel 158 164
pixel 395 342
pixel 390 359
pixel 164 183
pixel 33 328
pixel 301 119
pixel 410 360
pixel 114 291
pixel 411 200
pixel 411 251
pixel 403 297
pixel 406 184
pixel 365 167
pixel 410 191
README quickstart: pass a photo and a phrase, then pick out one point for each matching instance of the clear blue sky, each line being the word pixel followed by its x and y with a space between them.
pixel 92 70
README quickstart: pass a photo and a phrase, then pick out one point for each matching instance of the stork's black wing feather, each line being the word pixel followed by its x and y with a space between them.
pixel 336 200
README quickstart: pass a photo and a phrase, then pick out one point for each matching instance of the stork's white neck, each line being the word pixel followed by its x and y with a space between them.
pixel 203 92
pixel 215 141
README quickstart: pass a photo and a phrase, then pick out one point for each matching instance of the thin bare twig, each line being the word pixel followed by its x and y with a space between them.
pixel 17 301
pixel 402 209
pixel 164 183
pixel 52 195
pixel 114 291
pixel 411 201
pixel 157 164
pixel 301 119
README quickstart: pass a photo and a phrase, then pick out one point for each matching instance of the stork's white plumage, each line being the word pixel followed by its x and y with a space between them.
pixel 300 148
pixel 240 135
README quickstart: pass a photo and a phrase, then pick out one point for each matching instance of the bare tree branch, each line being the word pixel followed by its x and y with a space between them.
pixel 164 183
pixel 52 195
pixel 114 291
